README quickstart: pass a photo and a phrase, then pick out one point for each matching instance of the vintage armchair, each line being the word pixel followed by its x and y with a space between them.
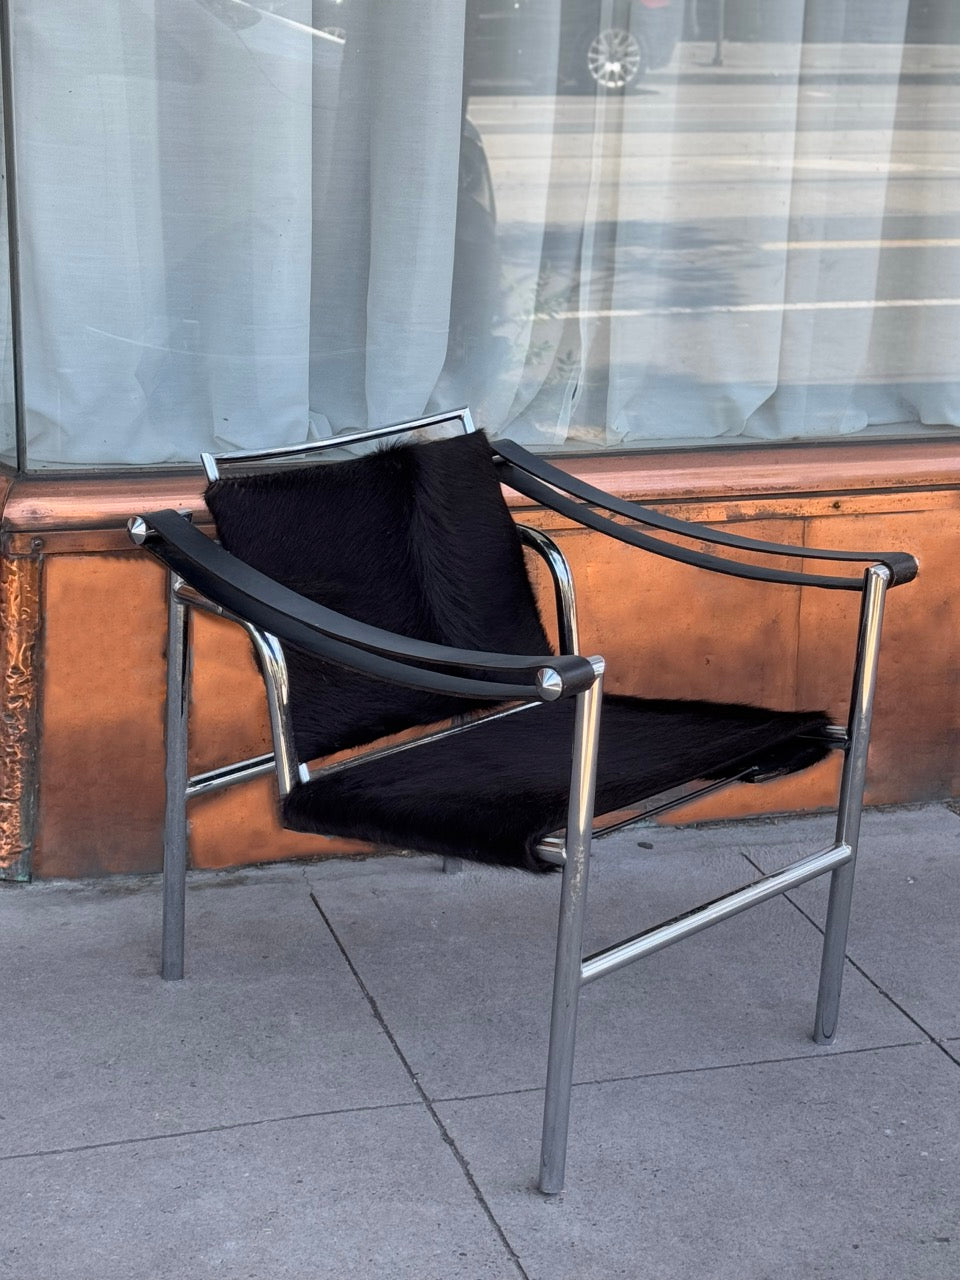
pixel 415 702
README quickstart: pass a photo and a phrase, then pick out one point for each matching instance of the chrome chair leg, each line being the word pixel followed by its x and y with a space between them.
pixel 834 950
pixel 175 813
pixel 567 973
pixel 851 805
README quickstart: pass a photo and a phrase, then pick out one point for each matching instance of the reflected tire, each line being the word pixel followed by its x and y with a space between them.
pixel 612 60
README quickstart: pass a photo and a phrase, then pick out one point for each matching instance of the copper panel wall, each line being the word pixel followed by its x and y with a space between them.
pixel 19 683
pixel 101 741
pixel 916 744
pixel 229 722
pixel 665 629
pixel 915 747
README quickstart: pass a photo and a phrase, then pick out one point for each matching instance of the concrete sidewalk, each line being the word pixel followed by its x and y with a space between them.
pixel 351 1086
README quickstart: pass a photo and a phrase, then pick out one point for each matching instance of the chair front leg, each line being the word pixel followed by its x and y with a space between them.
pixel 175 812
pixel 851 804
pixel 567 972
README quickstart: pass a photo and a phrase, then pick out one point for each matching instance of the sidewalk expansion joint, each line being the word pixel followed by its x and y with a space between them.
pixel 952 1054
pixel 813 1057
pixel 212 1128
pixel 935 1040
pixel 424 1097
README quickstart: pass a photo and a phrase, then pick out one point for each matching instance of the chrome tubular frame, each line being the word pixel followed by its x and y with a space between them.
pixel 569 849
pixel 551 847
pixel 573 904
pixel 730 904
pixel 180 786
pixel 273 666
pixel 312 772
pixel 202 784
pixel 876 581
pixel 175 774
pixel 574 971
pixel 211 461
pixel 563 586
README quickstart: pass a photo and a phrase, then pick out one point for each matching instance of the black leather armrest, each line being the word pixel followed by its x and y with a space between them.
pixel 245 593
pixel 554 488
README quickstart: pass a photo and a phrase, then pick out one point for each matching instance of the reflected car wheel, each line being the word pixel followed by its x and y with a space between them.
pixel 612 60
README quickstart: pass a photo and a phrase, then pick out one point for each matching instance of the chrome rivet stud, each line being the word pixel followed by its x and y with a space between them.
pixel 137 529
pixel 549 684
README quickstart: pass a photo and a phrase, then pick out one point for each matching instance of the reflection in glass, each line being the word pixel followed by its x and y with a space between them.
pixel 770 251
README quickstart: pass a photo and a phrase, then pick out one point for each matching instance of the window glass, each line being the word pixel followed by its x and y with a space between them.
pixel 603 224
pixel 8 434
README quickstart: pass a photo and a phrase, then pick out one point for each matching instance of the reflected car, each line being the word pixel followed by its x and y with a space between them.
pixel 475 295
pixel 606 46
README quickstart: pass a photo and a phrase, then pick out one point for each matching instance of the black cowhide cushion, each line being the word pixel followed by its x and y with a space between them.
pixel 415 538
pixel 490 794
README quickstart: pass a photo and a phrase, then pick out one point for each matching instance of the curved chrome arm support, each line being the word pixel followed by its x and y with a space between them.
pixel 273 666
pixel 563 585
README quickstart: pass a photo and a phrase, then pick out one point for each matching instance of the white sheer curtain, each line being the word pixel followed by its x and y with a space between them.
pixel 787 269
pixel 211 190
pixel 8 433
pixel 238 230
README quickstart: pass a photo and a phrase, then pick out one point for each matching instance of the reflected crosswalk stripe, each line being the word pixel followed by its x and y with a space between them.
pixel 944 242
pixel 861 304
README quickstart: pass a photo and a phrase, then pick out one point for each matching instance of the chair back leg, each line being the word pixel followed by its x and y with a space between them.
pixel 851 803
pixel 568 970
pixel 175 812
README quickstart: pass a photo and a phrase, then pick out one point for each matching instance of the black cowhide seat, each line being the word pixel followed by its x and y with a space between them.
pixel 510 776
pixel 417 539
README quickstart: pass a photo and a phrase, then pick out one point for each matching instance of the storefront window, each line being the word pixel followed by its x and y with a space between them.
pixel 8 429
pixel 601 224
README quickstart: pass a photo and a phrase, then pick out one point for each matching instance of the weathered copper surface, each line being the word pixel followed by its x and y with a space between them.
pixel 915 746
pixel 101 755
pixel 228 721
pixel 101 747
pixel 731 473
pixel 915 752
pixel 19 627
pixel 65 542
pixel 81 502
